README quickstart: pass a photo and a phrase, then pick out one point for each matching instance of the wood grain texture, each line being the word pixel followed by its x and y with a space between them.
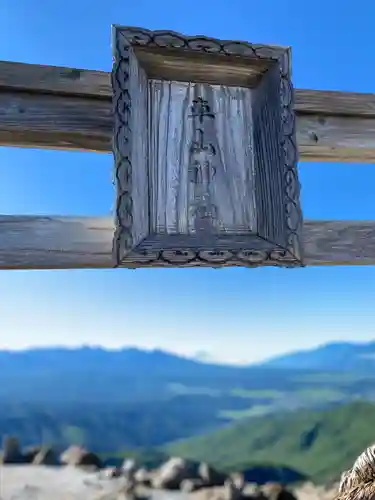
pixel 334 138
pixel 339 243
pixel 169 55
pixel 334 103
pixel 201 67
pixel 57 122
pixel 330 125
pixel 130 148
pixel 15 76
pixel 175 179
pixel 78 124
pixel 213 164
pixel 275 160
pixel 38 78
pixel 30 242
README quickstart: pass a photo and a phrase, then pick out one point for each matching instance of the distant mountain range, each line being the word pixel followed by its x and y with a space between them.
pixel 137 375
pixel 129 359
pixel 149 398
pixel 337 356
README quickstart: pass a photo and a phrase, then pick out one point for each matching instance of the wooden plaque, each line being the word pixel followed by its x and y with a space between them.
pixel 205 152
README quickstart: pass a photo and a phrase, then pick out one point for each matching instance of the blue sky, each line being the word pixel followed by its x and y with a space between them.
pixel 235 315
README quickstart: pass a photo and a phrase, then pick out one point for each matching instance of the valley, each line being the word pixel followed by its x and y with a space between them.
pixel 152 404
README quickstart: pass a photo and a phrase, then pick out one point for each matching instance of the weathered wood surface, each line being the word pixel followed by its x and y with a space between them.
pixel 213 139
pixel 68 123
pixel 89 83
pixel 65 108
pixel 71 242
pixel 229 198
pixel 28 242
pixel 37 78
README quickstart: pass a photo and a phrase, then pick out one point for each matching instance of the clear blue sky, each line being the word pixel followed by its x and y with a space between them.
pixel 233 314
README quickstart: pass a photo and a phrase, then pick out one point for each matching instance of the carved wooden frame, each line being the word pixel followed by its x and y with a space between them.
pixel 133 245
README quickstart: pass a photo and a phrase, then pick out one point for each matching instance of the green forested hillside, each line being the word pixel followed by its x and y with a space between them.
pixel 139 401
pixel 318 444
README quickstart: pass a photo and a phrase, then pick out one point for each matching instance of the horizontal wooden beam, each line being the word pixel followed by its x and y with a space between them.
pixel 16 76
pixel 29 242
pixel 66 108
pixel 55 122
pixel 97 84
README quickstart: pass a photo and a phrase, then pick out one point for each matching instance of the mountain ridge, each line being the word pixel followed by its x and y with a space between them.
pixel 149 398
pixel 332 356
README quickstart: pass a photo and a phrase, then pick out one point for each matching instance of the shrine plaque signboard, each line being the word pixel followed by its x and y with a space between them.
pixel 205 152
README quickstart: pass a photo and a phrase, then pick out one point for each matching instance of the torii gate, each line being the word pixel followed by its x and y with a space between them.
pixel 71 109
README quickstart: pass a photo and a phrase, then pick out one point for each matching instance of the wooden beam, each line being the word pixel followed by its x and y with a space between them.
pixel 28 242
pixel 55 122
pixel 97 84
pixel 15 76
pixel 66 108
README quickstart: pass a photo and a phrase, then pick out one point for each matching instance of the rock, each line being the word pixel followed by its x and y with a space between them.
pixel 117 472
pixel 210 476
pixel 190 485
pixel 285 494
pixel 128 490
pixel 173 472
pixel 129 465
pixel 30 453
pixel 233 491
pixel 276 491
pixel 78 456
pixel 46 456
pixel 143 476
pixel 112 472
pixel 12 453
pixel 238 480
pixel 129 469
pixel 254 491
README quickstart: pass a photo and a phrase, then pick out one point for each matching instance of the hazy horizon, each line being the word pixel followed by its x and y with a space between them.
pixel 202 356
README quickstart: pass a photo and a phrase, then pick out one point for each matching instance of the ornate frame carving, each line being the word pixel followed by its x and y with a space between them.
pixel 133 247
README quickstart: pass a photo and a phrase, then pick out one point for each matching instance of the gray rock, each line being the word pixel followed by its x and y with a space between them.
pixel 143 476
pixel 129 466
pixel 171 474
pixel 12 453
pixel 30 453
pixel 46 456
pixel 190 485
pixel 210 476
pixel 78 456
pixel 233 490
